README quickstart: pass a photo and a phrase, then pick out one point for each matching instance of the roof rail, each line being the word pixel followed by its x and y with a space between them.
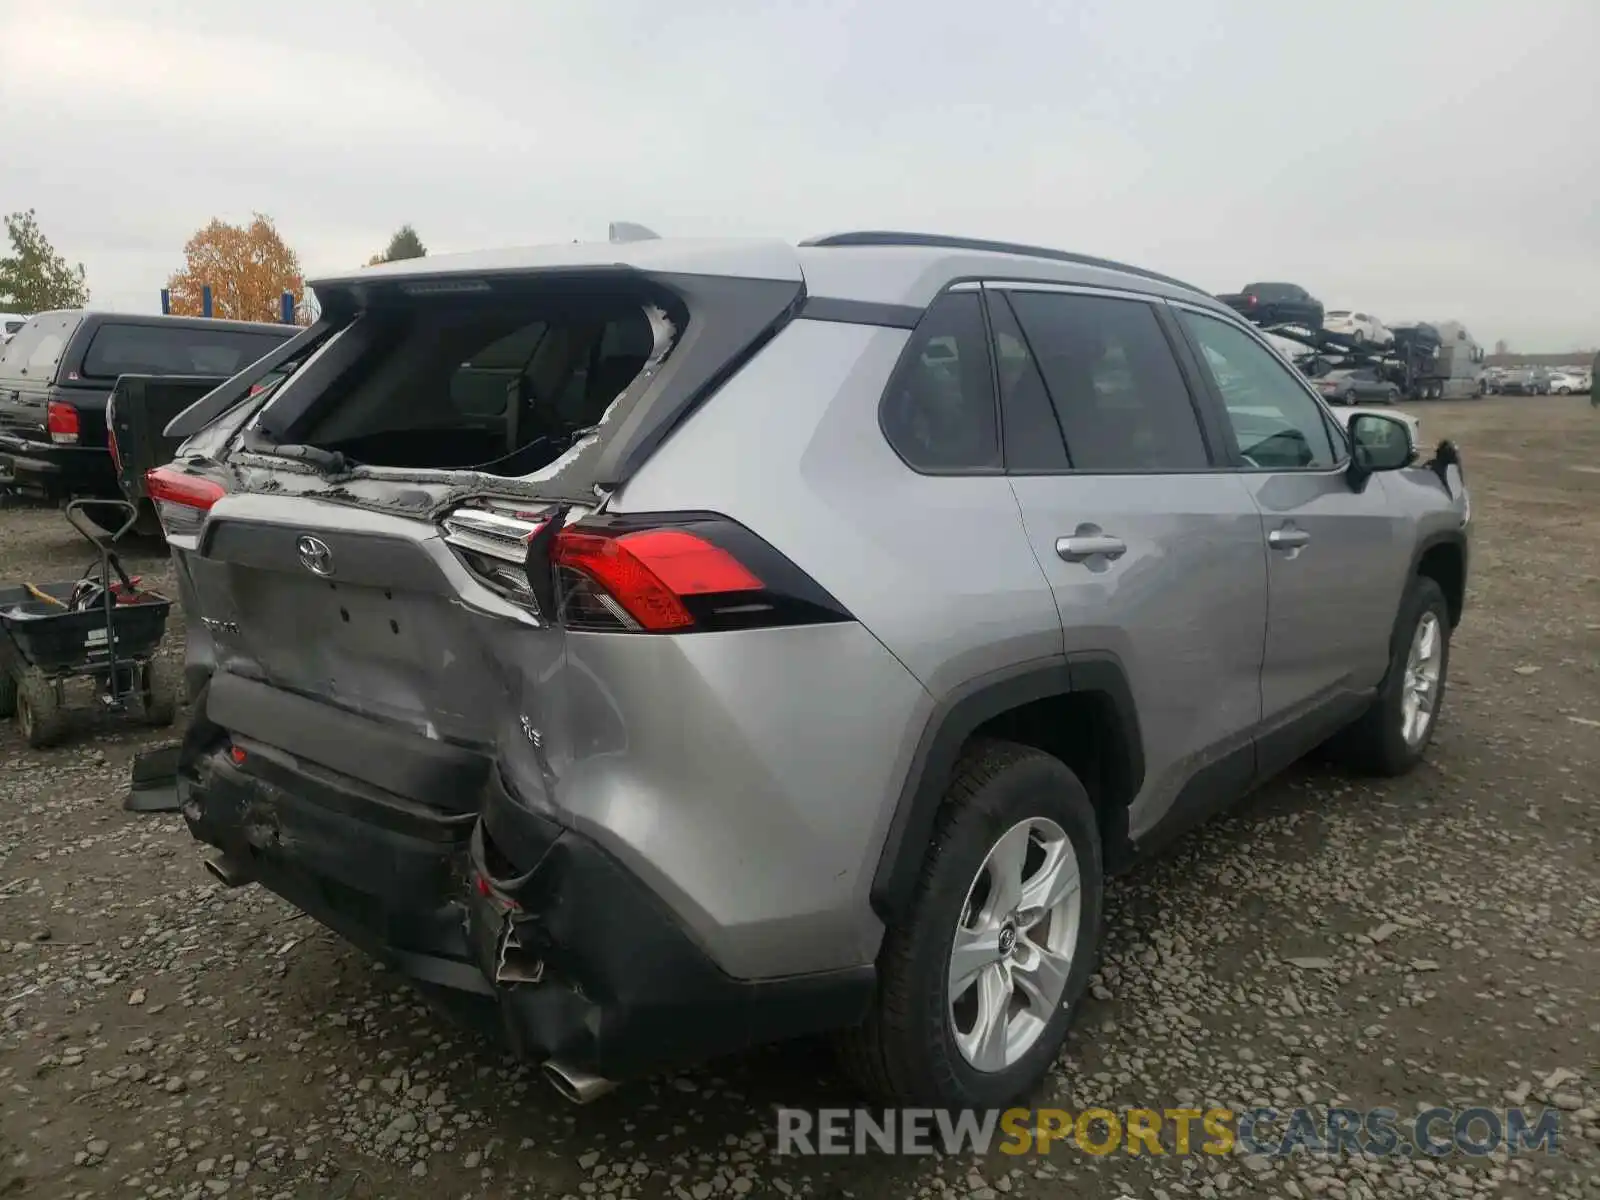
pixel 883 237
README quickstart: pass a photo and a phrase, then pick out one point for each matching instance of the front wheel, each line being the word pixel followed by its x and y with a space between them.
pixel 1392 735
pixel 977 981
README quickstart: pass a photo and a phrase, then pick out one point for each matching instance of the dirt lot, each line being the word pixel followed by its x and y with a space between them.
pixel 160 1036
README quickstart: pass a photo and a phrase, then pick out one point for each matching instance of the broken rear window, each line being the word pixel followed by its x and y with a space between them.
pixel 504 388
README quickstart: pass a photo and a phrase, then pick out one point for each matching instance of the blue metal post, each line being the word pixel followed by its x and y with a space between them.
pixel 205 301
pixel 286 313
pixel 166 302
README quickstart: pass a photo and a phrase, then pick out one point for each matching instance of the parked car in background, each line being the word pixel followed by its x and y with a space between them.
pixel 10 323
pixel 58 371
pixel 1356 385
pixel 1568 383
pixel 486 687
pixel 1276 304
pixel 1526 381
pixel 1362 329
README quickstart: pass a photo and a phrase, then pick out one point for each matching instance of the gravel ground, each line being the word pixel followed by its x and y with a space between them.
pixel 1332 941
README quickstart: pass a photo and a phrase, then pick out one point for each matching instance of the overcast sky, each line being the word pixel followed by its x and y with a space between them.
pixel 1424 160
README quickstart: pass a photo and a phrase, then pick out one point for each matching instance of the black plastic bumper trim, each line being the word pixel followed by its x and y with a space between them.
pixel 623 989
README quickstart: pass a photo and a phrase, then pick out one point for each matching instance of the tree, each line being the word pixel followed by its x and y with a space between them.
pixel 404 244
pixel 33 277
pixel 248 268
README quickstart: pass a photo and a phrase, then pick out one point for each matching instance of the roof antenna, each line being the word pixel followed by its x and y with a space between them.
pixel 627 231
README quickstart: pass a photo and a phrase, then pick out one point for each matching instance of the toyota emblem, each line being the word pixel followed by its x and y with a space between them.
pixel 314 554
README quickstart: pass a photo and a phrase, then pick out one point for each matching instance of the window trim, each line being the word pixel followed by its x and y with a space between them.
pixel 1217 452
pixel 902 364
pixel 1340 442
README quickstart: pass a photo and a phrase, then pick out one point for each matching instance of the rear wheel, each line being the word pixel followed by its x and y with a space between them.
pixel 1392 735
pixel 39 716
pixel 978 979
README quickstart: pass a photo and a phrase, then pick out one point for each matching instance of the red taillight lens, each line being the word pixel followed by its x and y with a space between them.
pixel 62 422
pixel 646 574
pixel 635 573
pixel 182 501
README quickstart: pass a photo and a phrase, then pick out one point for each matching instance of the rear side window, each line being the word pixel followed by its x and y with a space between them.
pixel 1116 388
pixel 36 349
pixel 119 349
pixel 939 411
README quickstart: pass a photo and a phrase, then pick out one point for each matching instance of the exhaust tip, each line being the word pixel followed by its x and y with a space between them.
pixel 579 1087
pixel 229 871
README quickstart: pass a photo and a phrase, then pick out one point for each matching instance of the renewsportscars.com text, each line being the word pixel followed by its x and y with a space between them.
pixel 1434 1132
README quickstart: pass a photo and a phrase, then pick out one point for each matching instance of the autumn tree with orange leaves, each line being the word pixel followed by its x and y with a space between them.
pixel 248 267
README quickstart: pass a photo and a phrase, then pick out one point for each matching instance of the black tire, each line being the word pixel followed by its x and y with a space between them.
pixel 39 715
pixel 158 693
pixel 906 1053
pixel 8 694
pixel 1375 744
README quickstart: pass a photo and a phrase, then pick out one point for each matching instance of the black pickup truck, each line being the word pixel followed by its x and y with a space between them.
pixel 57 372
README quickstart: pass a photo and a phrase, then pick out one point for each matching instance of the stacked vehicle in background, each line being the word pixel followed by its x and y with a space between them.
pixel 1353 357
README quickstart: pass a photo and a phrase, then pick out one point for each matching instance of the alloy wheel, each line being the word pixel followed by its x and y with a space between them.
pixel 1419 696
pixel 1013 947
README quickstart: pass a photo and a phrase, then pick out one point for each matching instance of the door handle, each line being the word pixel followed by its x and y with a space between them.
pixel 1288 538
pixel 1081 547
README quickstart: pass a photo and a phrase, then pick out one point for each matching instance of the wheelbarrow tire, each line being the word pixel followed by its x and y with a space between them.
pixel 8 694
pixel 158 690
pixel 39 715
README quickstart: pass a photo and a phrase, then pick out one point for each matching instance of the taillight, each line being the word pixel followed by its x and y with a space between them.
pixel 62 422
pixel 111 444
pixel 658 573
pixel 679 573
pixel 182 501
pixel 640 580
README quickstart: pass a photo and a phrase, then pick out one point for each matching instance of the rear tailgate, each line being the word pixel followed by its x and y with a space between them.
pixel 366 612
pixel 138 411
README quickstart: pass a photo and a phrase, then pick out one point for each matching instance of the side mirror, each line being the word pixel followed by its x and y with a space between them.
pixel 1379 442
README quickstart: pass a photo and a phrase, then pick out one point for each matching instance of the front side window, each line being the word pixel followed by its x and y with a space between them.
pixel 939 411
pixel 1118 394
pixel 1277 425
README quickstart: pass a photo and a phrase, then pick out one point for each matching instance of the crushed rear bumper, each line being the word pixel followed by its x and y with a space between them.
pixel 537 929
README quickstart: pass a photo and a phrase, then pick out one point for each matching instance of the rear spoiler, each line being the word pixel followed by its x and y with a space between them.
pixel 212 405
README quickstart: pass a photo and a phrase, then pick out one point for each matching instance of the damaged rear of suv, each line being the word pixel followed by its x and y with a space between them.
pixel 672 647
pixel 387 558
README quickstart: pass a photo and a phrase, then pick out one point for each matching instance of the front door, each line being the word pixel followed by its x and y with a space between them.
pixel 1328 544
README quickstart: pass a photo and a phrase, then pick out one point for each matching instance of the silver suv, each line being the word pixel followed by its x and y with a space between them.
pixel 670 647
